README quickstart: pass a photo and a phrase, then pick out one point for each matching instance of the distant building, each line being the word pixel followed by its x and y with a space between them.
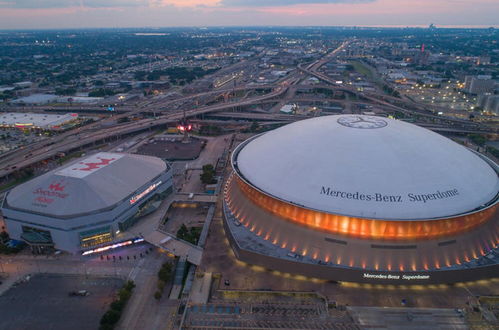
pixel 489 103
pixel 23 84
pixel 7 88
pixel 35 120
pixel 36 99
pixel 483 60
pixel 79 99
pixel 279 73
pixel 288 109
pixel 479 84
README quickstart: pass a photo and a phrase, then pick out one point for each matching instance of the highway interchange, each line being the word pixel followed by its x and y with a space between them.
pixel 168 112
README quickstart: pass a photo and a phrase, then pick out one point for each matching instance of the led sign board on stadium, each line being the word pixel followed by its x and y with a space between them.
pixel 407 277
pixel 135 198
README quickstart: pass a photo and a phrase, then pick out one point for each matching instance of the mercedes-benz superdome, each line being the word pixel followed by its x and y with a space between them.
pixel 363 198
pixel 86 203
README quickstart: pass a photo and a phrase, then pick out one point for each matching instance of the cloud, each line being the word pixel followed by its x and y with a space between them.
pixel 37 4
pixel 48 4
pixel 278 3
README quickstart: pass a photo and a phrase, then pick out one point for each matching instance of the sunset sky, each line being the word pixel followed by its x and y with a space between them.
pixel 43 14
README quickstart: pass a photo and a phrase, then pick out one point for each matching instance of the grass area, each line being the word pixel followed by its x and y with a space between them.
pixel 66 158
pixel 78 154
pixel 15 182
pixel 362 69
pixel 190 235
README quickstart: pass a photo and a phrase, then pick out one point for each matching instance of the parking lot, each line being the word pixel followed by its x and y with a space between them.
pixel 172 149
pixel 44 302
pixel 269 315
pixel 15 138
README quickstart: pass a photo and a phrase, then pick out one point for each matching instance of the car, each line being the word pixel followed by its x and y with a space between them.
pixel 81 293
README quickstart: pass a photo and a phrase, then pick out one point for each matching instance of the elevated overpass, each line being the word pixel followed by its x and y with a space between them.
pixel 88 135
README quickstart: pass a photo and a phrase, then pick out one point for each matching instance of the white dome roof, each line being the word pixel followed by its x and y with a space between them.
pixel 369 167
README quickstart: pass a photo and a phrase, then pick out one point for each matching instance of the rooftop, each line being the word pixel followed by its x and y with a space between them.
pixel 86 185
pixel 368 167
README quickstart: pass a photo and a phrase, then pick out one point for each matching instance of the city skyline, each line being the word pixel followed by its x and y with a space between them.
pixel 58 14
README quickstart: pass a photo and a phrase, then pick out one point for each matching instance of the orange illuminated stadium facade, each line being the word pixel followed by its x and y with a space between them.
pixel 298 201
pixel 366 228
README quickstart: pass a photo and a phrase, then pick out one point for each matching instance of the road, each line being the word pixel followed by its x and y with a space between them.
pixel 110 128
pixel 418 109
pixel 143 311
pixel 89 134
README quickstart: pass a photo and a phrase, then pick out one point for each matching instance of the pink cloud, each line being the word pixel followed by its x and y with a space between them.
pixel 384 7
pixel 190 3
pixel 27 13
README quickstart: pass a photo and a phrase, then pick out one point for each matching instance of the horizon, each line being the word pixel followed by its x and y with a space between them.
pixel 420 26
pixel 76 14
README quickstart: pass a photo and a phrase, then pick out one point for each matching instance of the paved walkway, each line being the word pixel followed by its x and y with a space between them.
pixel 206 198
pixel 178 278
pixel 201 289
pixel 407 318
pixel 170 243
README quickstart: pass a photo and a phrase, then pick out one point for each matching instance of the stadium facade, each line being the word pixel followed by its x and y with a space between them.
pixel 363 199
pixel 86 203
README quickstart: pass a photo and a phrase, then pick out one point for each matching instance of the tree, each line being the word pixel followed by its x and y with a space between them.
pixel 493 151
pixel 111 317
pixel 165 272
pixel 123 120
pixel 208 168
pixel 101 92
pixel 478 139
pixel 182 232
pixel 208 175
pixel 65 91
pixel 117 305
pixel 254 126
pixel 4 237
pixel 125 294
pixel 207 178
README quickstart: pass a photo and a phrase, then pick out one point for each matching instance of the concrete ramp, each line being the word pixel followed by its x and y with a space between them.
pixel 201 289
pixel 178 277
pixel 179 248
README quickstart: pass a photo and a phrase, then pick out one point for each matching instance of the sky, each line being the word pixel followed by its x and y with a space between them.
pixel 58 14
